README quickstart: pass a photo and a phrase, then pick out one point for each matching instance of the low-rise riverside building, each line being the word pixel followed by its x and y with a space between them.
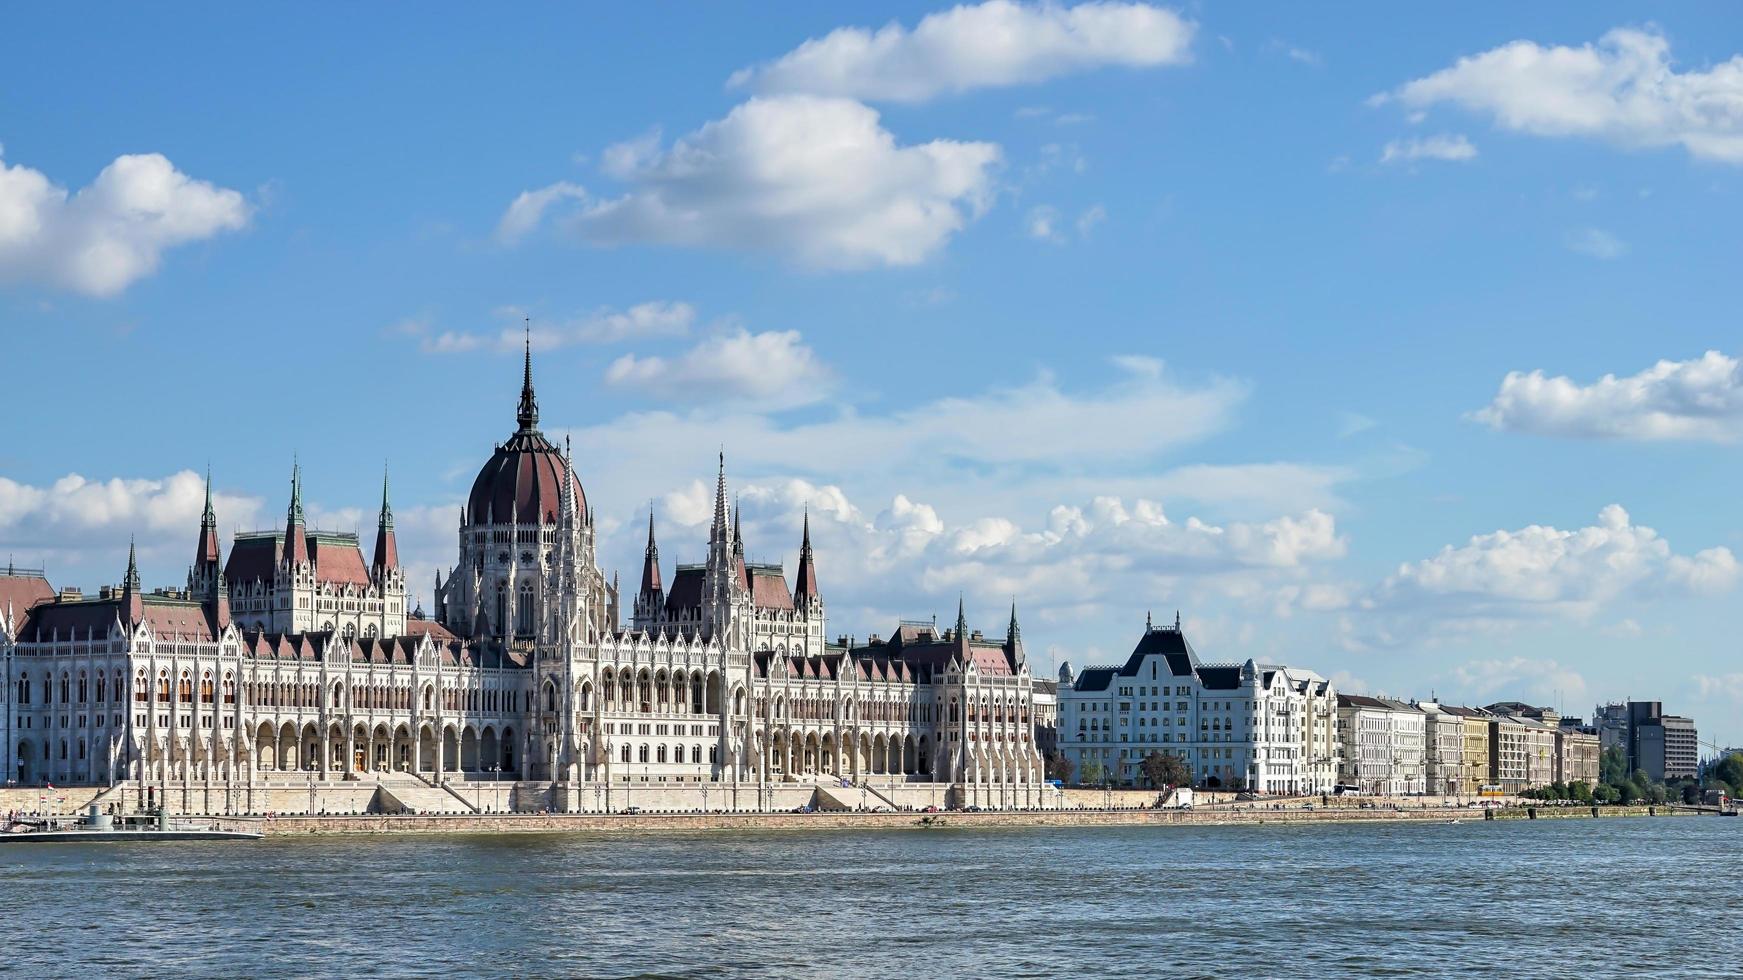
pixel 1254 726
pixel 1474 771
pixel 1540 753
pixel 1577 753
pixel 1444 748
pixel 1507 753
pixel 1383 745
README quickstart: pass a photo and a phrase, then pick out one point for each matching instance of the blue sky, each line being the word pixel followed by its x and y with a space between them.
pixel 1254 276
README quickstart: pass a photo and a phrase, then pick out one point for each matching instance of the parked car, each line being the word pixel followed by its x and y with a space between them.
pixel 930 809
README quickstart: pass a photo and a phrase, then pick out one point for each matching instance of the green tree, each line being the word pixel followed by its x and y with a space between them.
pixel 1580 790
pixel 1059 766
pixel 1091 773
pixel 1162 769
pixel 1612 766
pixel 1730 772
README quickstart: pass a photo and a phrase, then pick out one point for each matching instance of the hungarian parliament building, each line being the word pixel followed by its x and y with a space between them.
pixel 295 660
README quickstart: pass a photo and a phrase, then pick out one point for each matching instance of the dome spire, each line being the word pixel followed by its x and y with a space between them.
pixel 528 413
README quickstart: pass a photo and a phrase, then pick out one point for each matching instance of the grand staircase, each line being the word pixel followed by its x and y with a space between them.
pixel 403 792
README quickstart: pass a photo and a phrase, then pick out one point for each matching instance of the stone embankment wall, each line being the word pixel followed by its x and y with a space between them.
pixel 28 799
pixel 537 823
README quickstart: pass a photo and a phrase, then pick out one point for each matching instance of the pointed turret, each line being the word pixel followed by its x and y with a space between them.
pixel 528 412
pixel 386 545
pixel 296 538
pixel 220 604
pixel 651 584
pixel 206 555
pixel 805 587
pixel 738 568
pixel 717 530
pixel 1014 639
pixel 132 602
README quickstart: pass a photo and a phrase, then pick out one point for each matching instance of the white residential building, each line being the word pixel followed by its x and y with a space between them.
pixel 1254 726
pixel 1383 745
pixel 1444 748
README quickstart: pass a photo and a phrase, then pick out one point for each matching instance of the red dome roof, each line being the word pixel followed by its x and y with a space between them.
pixel 523 482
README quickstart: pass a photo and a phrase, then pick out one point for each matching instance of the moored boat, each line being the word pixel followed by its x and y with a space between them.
pixel 96 826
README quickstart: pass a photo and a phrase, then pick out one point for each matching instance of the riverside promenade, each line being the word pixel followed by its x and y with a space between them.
pixel 505 823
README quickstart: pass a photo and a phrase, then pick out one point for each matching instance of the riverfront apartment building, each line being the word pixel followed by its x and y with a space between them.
pixel 296 661
pixel 1384 745
pixel 1265 727
pixel 1444 748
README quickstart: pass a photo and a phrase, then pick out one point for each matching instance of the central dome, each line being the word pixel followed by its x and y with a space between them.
pixel 523 481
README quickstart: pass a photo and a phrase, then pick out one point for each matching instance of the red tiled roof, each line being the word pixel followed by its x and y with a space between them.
pixel 177 619
pixel 430 628
pixel 339 562
pixel 22 592
pixel 522 480
pixel 990 661
pixel 768 589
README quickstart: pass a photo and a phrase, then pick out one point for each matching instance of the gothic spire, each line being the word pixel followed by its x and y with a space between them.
pixel 651 561
pixel 132 580
pixel 386 542
pixel 386 508
pixel 961 621
pixel 737 538
pixel 718 531
pixel 296 542
pixel 295 514
pixel 207 519
pixel 1016 632
pixel 528 413
pixel 805 585
pixel 206 555
pixel 133 603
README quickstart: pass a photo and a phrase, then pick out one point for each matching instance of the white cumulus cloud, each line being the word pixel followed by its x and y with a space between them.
pixel 1696 400
pixel 1538 572
pixel 1452 147
pixel 771 369
pixel 1624 89
pixel 816 179
pixel 112 233
pixel 526 211
pixel 656 318
pixel 992 44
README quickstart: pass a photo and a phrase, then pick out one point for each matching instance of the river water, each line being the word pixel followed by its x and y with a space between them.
pixel 1545 898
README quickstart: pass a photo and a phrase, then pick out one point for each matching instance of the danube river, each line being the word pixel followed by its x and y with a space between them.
pixel 1549 897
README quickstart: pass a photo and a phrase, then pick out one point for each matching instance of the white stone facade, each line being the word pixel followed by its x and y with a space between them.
pixel 1254 726
pixel 1384 746
pixel 298 662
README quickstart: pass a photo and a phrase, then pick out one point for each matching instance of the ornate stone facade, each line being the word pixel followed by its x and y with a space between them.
pixel 296 662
